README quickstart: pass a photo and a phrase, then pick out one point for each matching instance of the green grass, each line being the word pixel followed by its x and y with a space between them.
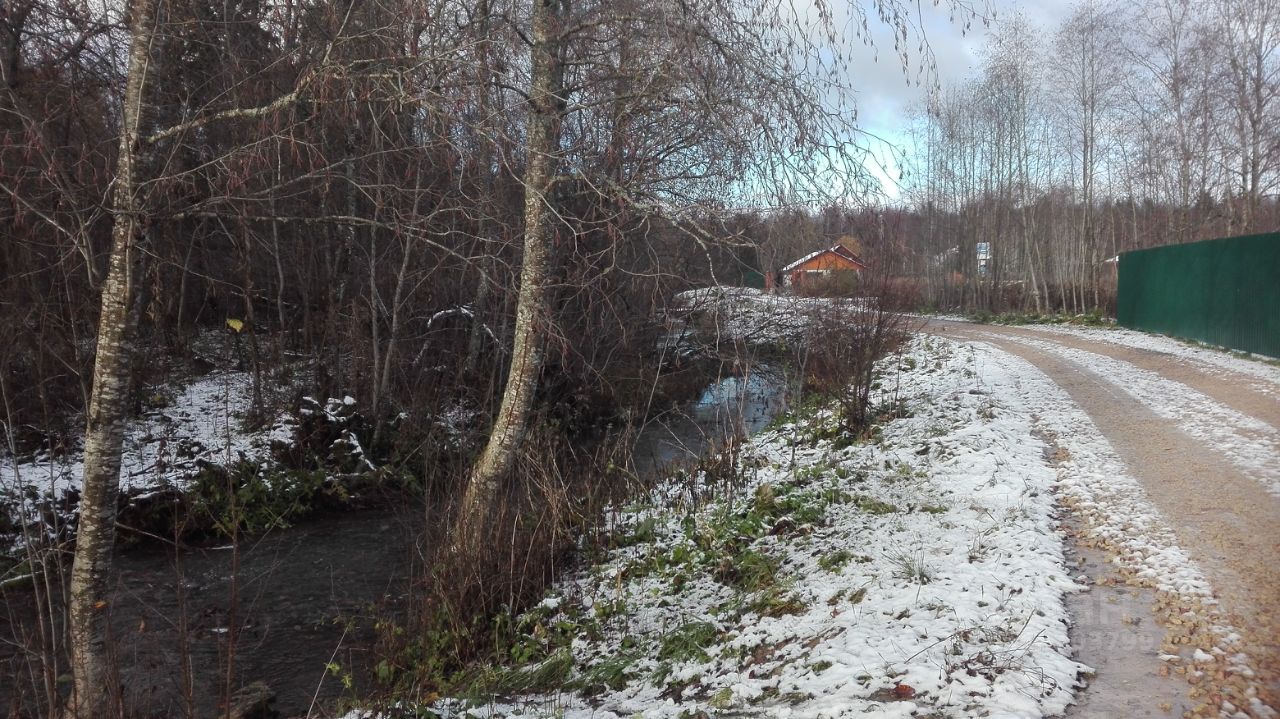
pixel 610 674
pixel 723 699
pixel 871 505
pixel 776 602
pixel 552 673
pixel 836 560
pixel 645 532
pixel 688 642
pixel 749 571
pixel 1093 318
pixel 912 567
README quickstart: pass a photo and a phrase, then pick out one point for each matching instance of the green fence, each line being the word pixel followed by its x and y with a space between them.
pixel 751 278
pixel 1223 292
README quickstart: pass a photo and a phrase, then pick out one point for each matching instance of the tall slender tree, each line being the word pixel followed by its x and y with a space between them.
pixel 546 110
pixel 91 572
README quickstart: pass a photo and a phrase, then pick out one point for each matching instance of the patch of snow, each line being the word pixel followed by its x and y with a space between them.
pixel 459 311
pixel 743 314
pixel 202 422
pixel 457 421
pixel 1202 356
pixel 945 317
pixel 164 448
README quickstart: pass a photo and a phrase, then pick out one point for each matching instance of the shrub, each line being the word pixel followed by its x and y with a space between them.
pixel 252 497
pixel 843 344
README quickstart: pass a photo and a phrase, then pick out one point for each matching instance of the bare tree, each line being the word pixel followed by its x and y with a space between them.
pixel 1249 33
pixel 546 109
pixel 695 105
pixel 1091 78
pixel 91 573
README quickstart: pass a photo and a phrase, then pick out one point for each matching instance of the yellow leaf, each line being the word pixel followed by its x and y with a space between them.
pixel 235 324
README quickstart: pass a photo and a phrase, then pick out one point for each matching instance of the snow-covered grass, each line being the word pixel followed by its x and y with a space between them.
pixel 1025 319
pixel 181 431
pixel 916 573
pixel 200 422
pixel 743 314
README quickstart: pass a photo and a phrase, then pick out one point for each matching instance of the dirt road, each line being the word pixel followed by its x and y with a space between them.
pixel 1203 440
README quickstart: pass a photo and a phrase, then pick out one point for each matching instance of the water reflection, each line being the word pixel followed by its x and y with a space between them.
pixel 735 405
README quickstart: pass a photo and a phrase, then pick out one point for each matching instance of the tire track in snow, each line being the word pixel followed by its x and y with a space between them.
pixel 1260 376
pixel 1119 516
pixel 1251 445
pixel 1243 388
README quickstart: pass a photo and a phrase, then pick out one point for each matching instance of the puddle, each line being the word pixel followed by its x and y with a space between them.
pixel 1114 631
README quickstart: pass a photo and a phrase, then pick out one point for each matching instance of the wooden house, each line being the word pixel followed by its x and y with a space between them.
pixel 833 265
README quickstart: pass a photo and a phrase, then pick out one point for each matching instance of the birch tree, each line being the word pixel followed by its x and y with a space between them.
pixel 1250 37
pixel 91 573
pixel 1090 77
pixel 700 103
pixel 1163 99
pixel 110 399
pixel 546 108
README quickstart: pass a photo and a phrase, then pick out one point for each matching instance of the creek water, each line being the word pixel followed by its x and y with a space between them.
pixel 297 590
pixel 734 405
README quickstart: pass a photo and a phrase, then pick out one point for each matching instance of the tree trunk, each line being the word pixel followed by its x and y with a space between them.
pixel 108 409
pixel 486 229
pixel 511 425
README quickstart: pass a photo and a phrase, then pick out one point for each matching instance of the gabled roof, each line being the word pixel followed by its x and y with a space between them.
pixel 846 253
pixel 839 250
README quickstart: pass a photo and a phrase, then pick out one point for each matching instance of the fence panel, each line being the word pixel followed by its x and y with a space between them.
pixel 1223 292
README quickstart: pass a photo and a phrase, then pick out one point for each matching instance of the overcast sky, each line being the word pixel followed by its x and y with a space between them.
pixel 884 97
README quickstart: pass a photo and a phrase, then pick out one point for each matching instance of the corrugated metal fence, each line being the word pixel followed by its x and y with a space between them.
pixel 1223 292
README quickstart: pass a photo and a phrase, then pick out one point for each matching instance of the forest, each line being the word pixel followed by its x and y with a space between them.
pixel 473 217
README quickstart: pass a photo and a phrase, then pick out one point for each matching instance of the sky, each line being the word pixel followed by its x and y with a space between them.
pixel 884 96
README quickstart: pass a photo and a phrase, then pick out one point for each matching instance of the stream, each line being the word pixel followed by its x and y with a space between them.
pixel 298 587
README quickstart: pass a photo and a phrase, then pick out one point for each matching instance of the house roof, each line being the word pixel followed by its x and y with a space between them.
pixel 839 250
pixel 846 253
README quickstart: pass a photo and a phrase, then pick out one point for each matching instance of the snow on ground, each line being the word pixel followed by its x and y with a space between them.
pixel 917 573
pixel 1218 359
pixel 1119 517
pixel 201 421
pixel 1203 356
pixel 751 315
pixel 1250 444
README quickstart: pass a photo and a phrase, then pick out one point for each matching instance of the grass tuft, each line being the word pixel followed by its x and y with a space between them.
pixel 688 642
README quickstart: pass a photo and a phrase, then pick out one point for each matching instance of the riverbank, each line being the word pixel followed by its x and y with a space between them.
pixel 918 572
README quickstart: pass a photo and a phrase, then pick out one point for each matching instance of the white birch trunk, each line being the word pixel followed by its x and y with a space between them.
pixel 108 409
pixel 511 425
